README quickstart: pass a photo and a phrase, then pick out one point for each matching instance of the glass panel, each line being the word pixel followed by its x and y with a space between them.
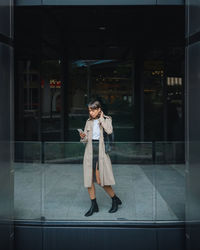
pixel 153 99
pixel 132 153
pixel 140 86
pixel 27 100
pixel 54 189
pixel 51 85
pixel 170 181
pixel 170 152
pixel 27 77
pixel 28 181
pixel 194 19
pixel 77 97
pixel 66 198
pixel 110 81
pixel 64 152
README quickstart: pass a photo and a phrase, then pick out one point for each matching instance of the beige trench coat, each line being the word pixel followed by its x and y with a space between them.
pixel 105 166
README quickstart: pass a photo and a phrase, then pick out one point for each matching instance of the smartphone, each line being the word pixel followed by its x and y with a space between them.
pixel 80 130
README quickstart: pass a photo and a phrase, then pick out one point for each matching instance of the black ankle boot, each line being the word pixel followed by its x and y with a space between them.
pixel 94 208
pixel 115 202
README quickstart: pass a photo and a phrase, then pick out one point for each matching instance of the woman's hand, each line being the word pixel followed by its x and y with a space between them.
pixel 102 114
pixel 82 135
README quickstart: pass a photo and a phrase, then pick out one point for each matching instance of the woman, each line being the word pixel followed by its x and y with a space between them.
pixel 96 163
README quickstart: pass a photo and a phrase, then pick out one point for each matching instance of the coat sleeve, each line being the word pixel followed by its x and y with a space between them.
pixel 85 139
pixel 106 123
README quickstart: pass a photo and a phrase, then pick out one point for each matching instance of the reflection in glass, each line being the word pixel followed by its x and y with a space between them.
pixel 111 82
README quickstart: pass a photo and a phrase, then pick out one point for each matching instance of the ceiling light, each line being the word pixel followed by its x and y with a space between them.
pixel 102 28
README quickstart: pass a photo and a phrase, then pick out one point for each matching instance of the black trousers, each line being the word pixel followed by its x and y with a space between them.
pixel 95 148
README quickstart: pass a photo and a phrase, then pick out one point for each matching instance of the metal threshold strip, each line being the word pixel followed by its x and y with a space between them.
pixel 97 223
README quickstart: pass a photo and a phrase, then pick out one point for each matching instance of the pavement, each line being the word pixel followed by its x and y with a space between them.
pixel 56 191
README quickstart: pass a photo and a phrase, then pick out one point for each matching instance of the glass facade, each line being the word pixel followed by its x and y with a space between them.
pixel 72 54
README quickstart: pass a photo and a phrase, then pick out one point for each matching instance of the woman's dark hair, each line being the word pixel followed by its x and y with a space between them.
pixel 94 104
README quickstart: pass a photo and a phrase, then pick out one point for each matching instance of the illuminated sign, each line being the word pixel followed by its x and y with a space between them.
pixel 53 84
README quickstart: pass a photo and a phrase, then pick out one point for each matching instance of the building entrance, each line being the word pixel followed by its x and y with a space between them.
pixel 72 54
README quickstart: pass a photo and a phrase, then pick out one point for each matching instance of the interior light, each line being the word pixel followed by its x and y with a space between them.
pixel 102 28
pixel 168 81
pixel 172 81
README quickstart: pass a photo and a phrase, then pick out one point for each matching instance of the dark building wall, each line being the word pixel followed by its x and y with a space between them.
pixel 6 98
pixel 99 237
pixel 193 125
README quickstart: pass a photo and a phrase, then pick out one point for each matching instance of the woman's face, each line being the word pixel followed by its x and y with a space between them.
pixel 94 112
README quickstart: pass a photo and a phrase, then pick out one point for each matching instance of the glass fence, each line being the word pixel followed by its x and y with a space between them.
pixel 150 181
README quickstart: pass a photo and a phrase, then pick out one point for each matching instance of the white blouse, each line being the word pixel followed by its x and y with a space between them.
pixel 96 130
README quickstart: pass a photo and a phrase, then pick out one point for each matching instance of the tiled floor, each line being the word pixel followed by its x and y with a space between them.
pixel 56 191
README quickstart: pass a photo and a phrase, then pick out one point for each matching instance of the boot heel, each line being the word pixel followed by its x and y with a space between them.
pixel 96 209
pixel 119 202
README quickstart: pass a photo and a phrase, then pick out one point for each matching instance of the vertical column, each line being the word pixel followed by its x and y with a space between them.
pixel 88 83
pixel 40 106
pixel 139 99
pixel 46 98
pixel 193 124
pixel 133 83
pixel 142 102
pixel 6 131
pixel 165 120
pixel 133 97
pixel 19 101
pixel 64 99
